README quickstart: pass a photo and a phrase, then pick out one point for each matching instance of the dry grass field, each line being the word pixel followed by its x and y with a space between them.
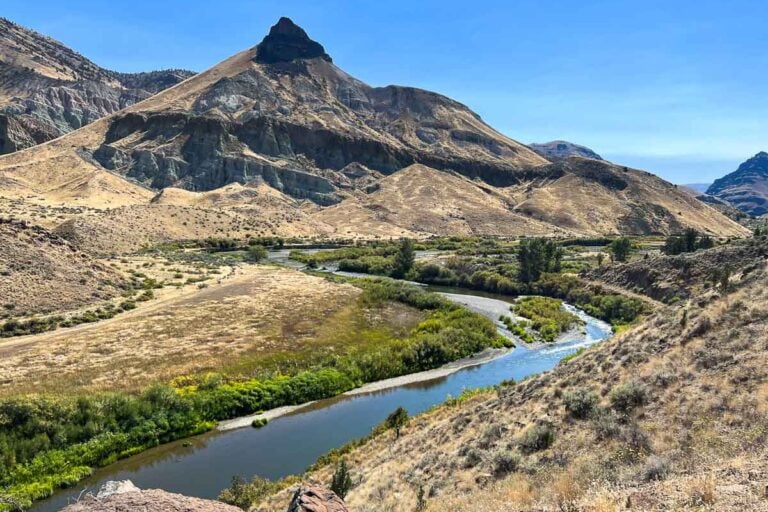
pixel 42 273
pixel 420 201
pixel 242 320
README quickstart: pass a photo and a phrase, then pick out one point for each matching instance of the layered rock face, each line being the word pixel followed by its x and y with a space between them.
pixel 47 90
pixel 288 116
pixel 747 187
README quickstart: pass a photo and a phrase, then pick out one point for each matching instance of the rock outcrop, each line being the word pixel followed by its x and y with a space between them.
pixel 747 187
pixel 125 497
pixel 557 150
pixel 316 499
pixel 287 41
pixel 47 89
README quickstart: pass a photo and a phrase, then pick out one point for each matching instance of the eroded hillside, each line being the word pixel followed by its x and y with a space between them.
pixel 42 273
pixel 282 115
pixel 47 89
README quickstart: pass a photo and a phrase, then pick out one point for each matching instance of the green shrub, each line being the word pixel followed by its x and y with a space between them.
pixel 244 494
pixel 538 437
pixel 628 396
pixel 505 462
pixel 256 253
pixel 341 482
pixel 656 468
pixel 580 404
pixel 547 316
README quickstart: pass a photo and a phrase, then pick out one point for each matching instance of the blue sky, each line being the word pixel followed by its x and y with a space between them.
pixel 676 87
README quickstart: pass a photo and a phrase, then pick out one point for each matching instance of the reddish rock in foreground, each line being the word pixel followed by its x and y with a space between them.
pixel 316 499
pixel 149 500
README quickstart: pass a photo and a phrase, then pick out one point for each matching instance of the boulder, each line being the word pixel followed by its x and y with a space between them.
pixel 316 499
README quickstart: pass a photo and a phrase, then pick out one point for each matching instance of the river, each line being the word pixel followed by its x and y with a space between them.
pixel 203 465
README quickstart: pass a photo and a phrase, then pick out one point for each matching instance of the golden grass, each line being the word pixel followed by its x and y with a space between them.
pixel 260 318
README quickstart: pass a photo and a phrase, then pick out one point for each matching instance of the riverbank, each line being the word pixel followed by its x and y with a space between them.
pixel 297 437
pixel 480 358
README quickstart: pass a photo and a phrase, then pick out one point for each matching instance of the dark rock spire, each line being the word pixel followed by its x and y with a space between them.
pixel 287 41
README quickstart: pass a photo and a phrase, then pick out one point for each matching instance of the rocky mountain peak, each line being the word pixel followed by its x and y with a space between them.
pixel 286 42
pixel 746 187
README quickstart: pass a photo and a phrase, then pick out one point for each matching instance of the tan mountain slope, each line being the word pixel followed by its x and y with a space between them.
pixel 596 197
pixel 129 229
pixel 293 120
pixel 671 415
pixel 42 273
pixel 422 201
pixel 282 115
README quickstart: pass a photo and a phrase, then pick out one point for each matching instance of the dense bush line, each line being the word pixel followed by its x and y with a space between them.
pixel 534 269
pixel 46 443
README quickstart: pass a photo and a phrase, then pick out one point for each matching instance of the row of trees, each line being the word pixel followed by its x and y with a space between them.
pixel 690 241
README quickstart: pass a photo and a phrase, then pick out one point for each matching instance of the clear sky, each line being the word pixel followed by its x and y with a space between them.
pixel 677 87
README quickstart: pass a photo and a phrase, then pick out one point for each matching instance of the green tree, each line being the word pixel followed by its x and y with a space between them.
pixel 705 242
pixel 256 253
pixel 536 256
pixel 397 420
pixel 621 248
pixel 674 245
pixel 725 280
pixel 690 236
pixel 341 483
pixel 404 258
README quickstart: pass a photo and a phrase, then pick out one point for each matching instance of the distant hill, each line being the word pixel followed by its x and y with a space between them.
pixel 560 150
pixel 47 89
pixel 701 188
pixel 747 187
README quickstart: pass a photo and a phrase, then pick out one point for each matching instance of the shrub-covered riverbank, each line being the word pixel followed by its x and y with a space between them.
pixel 535 267
pixel 48 442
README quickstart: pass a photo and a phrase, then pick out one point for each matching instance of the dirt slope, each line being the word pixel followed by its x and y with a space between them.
pixel 596 197
pixel 40 272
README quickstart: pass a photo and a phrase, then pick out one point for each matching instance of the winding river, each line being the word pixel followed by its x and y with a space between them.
pixel 202 466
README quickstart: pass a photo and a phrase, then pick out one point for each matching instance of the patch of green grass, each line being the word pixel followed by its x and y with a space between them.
pixel 547 316
pixel 519 328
